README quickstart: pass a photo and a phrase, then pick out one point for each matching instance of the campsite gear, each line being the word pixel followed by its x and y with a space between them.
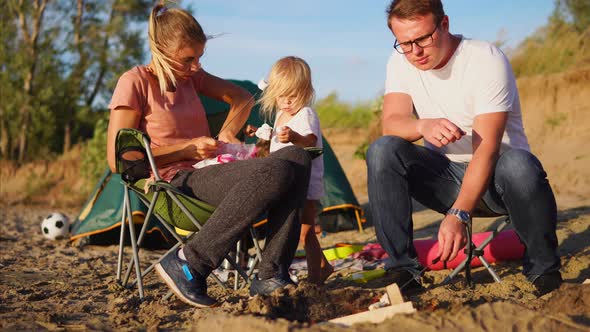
pixel 341 252
pixel 99 218
pixel 365 276
pixel 503 246
pixel 172 207
pixel 472 252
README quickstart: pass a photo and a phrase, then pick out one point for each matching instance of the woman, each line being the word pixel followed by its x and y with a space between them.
pixel 161 100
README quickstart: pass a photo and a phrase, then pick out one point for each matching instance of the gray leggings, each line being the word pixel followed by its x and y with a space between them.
pixel 242 191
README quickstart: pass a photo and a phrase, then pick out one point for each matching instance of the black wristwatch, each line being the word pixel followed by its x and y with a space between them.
pixel 463 216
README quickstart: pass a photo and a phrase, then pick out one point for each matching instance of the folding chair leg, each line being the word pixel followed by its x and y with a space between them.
pixel 238 252
pixel 479 254
pixel 151 267
pixel 134 245
pixel 489 268
pixel 257 257
pixel 121 239
pixel 168 295
pixel 454 273
pixel 358 221
pixel 140 239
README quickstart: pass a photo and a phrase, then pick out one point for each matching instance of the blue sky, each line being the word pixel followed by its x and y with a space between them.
pixel 345 42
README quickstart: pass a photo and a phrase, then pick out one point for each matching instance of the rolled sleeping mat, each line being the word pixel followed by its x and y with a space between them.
pixel 505 246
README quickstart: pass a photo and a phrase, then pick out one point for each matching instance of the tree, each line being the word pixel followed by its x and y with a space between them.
pixel 102 43
pixel 30 18
pixel 58 63
pixel 578 12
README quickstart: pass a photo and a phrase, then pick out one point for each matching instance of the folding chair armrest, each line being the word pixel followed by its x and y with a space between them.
pixel 314 152
pixel 166 186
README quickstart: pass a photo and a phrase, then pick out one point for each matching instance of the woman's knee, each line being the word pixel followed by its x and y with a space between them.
pixel 275 174
pixel 382 152
pixel 293 154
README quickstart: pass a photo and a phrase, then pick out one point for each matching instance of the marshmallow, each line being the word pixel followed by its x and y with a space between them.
pixel 264 132
pixel 262 84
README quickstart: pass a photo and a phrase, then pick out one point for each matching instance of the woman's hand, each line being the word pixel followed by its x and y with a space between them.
pixel 439 132
pixel 201 148
pixel 228 138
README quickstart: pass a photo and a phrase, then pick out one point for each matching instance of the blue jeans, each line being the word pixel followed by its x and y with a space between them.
pixel 399 171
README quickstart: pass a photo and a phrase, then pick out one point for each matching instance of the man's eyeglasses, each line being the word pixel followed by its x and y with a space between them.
pixel 407 47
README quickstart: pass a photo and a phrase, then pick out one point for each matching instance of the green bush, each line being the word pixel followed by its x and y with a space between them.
pixel 562 44
pixel 94 153
pixel 336 114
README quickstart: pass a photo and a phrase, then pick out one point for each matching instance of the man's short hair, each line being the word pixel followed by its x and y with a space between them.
pixel 406 9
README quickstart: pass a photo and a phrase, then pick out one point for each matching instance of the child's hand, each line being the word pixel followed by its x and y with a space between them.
pixel 250 130
pixel 287 135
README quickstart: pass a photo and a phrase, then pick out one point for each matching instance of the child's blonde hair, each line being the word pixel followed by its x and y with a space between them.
pixel 289 76
pixel 170 29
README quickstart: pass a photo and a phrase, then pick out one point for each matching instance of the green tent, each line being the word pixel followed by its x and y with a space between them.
pixel 100 217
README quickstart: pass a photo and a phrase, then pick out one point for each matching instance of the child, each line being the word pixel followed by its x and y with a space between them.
pixel 289 94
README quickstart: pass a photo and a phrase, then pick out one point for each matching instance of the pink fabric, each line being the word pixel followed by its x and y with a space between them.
pixel 225 158
pixel 228 152
pixel 169 118
pixel 240 151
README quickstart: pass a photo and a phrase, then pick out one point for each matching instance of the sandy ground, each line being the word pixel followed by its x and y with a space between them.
pixel 48 285
pixel 53 285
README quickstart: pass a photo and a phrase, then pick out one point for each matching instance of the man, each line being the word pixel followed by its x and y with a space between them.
pixel 476 158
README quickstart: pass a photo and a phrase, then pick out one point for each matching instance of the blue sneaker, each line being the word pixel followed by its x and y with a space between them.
pixel 186 283
pixel 267 286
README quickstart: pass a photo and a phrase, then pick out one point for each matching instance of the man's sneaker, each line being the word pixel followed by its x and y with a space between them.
pixel 267 286
pixel 186 283
pixel 546 283
pixel 405 280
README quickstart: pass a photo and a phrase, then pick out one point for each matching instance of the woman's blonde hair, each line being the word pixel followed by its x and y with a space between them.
pixel 289 76
pixel 170 29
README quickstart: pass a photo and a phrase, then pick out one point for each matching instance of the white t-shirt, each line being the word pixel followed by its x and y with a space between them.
pixel 477 79
pixel 305 122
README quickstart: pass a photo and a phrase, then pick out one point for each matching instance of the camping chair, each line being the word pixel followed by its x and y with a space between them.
pixel 471 251
pixel 172 207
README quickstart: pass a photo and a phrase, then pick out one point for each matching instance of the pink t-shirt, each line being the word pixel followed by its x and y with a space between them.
pixel 168 118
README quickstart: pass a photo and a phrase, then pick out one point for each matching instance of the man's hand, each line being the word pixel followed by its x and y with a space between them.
pixel 201 148
pixel 286 135
pixel 439 132
pixel 452 237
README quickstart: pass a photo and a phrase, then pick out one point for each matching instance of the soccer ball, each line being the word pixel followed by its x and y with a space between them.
pixel 56 226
